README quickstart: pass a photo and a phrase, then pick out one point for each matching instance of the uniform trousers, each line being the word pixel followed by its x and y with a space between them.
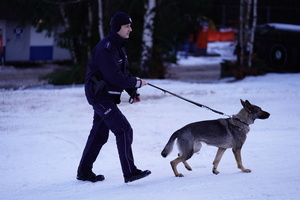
pixel 107 116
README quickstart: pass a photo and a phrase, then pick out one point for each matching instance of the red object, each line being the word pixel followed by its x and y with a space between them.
pixel 214 36
pixel 202 38
pixel 1 44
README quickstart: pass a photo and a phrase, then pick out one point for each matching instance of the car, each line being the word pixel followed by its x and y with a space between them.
pixel 279 45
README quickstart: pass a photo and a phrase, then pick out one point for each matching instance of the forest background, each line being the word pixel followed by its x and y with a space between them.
pixel 160 27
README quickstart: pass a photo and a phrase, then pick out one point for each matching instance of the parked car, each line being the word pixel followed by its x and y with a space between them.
pixel 279 45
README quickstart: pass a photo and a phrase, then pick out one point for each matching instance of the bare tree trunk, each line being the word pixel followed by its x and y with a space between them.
pixel 241 33
pixel 246 40
pixel 246 24
pixel 100 23
pixel 147 37
pixel 67 25
pixel 89 29
pixel 61 6
pixel 252 32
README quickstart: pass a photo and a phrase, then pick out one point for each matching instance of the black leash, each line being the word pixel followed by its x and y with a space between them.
pixel 193 102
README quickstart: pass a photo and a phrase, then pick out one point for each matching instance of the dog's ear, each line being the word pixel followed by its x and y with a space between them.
pixel 247 105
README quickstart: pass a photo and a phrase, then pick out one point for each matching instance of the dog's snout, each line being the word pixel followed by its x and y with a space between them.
pixel 264 115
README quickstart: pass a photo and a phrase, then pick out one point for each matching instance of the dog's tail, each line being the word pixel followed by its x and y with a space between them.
pixel 169 146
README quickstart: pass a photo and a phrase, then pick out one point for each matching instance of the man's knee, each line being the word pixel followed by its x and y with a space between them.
pixel 118 124
pixel 123 129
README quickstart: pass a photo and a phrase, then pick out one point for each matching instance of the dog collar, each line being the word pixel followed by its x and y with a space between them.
pixel 240 121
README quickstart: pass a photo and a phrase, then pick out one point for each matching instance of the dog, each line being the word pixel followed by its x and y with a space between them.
pixel 223 133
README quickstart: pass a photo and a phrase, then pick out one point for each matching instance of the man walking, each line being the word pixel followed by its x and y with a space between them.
pixel 107 76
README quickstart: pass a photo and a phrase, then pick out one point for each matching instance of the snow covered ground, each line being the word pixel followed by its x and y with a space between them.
pixel 43 132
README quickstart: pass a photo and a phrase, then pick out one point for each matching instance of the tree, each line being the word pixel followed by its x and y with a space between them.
pixel 159 27
pixel 67 25
pixel 100 18
pixel 252 32
pixel 247 21
pixel 173 22
pixel 77 36
pixel 147 40
pixel 49 15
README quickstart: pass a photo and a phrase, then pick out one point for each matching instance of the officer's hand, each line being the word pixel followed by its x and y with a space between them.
pixel 143 83
pixel 137 99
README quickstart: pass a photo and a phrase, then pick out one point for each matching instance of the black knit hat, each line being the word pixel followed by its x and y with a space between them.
pixel 118 20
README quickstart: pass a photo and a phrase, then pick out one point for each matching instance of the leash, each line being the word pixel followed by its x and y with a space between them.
pixel 190 101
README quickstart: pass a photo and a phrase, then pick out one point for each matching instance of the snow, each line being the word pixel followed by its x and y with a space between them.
pixel 224 49
pixel 43 132
pixel 289 27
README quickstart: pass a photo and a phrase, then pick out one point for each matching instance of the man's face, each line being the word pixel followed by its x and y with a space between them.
pixel 125 31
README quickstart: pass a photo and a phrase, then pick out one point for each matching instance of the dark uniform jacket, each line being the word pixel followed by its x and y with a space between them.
pixel 109 63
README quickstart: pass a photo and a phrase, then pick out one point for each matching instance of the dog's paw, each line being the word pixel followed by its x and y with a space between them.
pixel 179 175
pixel 216 172
pixel 247 170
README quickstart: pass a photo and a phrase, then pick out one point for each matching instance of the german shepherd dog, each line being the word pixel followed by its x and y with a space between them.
pixel 222 133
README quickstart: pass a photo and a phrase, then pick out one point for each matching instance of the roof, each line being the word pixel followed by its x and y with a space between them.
pixel 287 27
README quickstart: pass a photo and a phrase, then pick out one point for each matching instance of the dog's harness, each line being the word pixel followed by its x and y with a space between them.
pixel 193 102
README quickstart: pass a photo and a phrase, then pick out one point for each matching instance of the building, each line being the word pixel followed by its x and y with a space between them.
pixel 24 44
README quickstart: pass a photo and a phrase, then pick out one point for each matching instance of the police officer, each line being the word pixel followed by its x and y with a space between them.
pixel 107 76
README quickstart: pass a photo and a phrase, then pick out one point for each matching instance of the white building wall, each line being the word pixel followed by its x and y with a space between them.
pixel 40 39
pixel 17 42
pixel 28 45
pixel 41 46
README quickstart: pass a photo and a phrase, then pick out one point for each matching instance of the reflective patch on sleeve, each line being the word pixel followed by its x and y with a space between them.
pixel 138 83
